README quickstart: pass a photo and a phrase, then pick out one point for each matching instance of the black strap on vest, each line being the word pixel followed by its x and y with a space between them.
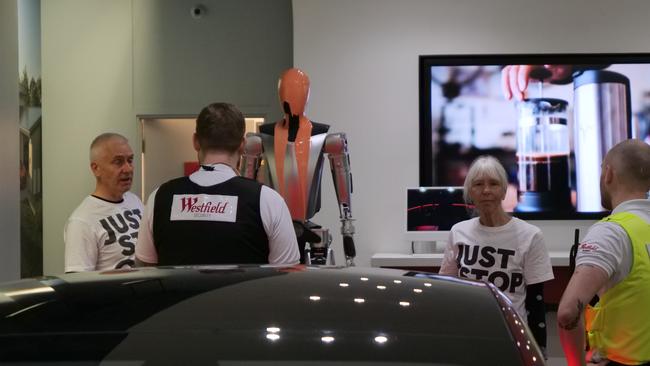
pixel 573 252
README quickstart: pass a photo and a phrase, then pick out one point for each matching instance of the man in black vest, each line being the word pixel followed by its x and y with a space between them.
pixel 214 216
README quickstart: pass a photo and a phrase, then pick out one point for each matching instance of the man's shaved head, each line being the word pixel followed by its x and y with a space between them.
pixel 99 141
pixel 630 161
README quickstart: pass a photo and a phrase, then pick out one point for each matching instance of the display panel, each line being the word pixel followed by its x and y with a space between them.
pixel 551 143
pixel 432 211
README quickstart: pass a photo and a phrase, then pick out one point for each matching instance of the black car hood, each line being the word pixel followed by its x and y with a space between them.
pixel 239 313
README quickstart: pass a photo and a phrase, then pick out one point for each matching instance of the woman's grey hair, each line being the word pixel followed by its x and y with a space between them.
pixel 485 165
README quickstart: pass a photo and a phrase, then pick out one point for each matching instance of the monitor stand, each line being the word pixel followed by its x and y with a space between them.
pixel 424 247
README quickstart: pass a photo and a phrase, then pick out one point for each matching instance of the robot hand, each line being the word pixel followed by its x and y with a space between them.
pixel 304 231
pixel 349 250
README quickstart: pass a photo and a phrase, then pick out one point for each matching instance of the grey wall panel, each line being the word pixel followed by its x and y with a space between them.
pixel 235 52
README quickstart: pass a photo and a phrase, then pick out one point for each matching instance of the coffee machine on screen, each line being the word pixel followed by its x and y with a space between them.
pixel 288 156
pixel 543 156
pixel 601 119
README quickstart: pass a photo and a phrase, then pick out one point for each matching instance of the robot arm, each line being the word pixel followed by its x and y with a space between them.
pixel 252 156
pixel 336 147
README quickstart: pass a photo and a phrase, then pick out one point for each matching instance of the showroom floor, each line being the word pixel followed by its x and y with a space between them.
pixel 555 354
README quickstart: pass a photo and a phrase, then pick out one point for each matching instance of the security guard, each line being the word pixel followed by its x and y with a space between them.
pixel 613 262
pixel 214 216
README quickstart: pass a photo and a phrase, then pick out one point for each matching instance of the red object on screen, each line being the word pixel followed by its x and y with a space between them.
pixel 190 167
pixel 426 228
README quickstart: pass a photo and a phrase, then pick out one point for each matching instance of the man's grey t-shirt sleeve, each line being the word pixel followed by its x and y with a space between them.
pixel 81 247
pixel 276 218
pixel 145 249
pixel 605 245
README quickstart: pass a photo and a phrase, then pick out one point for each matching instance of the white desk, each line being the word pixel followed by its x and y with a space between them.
pixel 558 259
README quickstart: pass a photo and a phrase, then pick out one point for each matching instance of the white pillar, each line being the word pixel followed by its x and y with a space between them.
pixel 9 160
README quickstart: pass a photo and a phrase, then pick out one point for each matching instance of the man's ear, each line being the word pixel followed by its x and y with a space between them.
pixel 608 174
pixel 94 167
pixel 195 142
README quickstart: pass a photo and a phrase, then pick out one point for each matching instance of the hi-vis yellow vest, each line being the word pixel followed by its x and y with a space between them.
pixel 619 325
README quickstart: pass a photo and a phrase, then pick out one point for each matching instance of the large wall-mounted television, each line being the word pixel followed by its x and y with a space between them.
pixel 551 142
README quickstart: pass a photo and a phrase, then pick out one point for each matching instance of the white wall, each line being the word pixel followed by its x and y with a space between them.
pixel 362 58
pixel 9 178
pixel 107 62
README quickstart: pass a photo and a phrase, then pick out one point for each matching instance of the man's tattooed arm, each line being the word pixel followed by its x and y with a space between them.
pixel 573 323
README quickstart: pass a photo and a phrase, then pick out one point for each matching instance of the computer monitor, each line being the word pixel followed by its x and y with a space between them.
pixel 432 211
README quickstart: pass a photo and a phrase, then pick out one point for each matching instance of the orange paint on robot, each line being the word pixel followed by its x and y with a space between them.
pixel 293 89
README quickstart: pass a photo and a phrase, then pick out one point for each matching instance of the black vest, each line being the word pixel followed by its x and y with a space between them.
pixel 210 242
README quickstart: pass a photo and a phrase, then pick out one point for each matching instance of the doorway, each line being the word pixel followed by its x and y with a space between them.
pixel 167 149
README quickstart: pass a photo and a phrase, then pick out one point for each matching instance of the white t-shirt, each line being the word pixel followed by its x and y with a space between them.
pixel 510 256
pixel 276 219
pixel 607 245
pixel 102 234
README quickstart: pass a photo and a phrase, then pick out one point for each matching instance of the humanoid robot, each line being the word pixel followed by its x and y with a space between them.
pixel 287 155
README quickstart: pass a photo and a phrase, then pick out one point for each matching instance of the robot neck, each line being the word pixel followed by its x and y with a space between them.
pixel 294 124
pixel 293 120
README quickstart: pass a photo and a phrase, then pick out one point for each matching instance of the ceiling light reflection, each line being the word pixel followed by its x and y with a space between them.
pixel 405 303
pixel 29 291
pixel 381 287
pixel 427 284
pixel 272 337
pixel 359 300
pixel 327 339
pixel 397 281
pixel 343 284
pixel 314 298
pixel 417 290
pixel 273 329
pixel 364 278
pixel 381 339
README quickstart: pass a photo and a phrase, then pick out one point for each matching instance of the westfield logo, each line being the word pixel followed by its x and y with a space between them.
pixel 190 204
pixel 187 203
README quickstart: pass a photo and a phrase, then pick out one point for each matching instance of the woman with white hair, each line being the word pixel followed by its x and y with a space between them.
pixel 498 248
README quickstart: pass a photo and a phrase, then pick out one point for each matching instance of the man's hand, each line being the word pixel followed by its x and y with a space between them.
pixel 515 78
pixel 514 81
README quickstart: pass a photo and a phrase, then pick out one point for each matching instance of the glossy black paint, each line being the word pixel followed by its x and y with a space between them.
pixel 227 314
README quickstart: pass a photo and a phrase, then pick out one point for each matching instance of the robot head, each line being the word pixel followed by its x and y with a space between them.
pixel 293 88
